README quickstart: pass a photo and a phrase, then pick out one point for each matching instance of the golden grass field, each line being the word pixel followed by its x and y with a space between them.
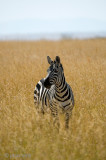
pixel 26 134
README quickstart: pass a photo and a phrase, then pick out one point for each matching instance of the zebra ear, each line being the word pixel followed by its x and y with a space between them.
pixel 57 59
pixel 49 60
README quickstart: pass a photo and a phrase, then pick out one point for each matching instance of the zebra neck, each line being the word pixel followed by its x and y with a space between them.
pixel 61 86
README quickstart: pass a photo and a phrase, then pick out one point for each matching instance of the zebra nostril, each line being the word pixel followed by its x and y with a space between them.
pixel 35 92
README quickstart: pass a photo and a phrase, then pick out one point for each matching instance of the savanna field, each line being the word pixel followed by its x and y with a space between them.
pixel 26 134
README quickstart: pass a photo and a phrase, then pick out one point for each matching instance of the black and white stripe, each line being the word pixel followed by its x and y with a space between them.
pixel 40 95
pixel 56 91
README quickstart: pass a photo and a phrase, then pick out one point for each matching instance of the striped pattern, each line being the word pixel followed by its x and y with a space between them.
pixel 54 91
pixel 40 95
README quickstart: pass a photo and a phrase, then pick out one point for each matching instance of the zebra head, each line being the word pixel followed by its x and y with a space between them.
pixel 55 72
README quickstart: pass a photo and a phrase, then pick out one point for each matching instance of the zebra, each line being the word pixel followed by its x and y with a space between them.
pixel 56 91
pixel 40 95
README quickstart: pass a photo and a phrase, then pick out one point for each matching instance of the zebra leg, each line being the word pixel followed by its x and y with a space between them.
pixel 67 117
pixel 54 113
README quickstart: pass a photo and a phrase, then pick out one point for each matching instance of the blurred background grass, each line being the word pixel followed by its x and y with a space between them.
pixel 30 135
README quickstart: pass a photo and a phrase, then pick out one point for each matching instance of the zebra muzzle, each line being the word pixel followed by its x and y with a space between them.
pixel 47 83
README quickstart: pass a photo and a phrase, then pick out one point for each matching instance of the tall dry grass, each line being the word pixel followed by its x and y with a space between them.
pixel 25 134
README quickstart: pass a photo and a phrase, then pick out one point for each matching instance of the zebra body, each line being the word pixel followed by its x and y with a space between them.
pixel 54 91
